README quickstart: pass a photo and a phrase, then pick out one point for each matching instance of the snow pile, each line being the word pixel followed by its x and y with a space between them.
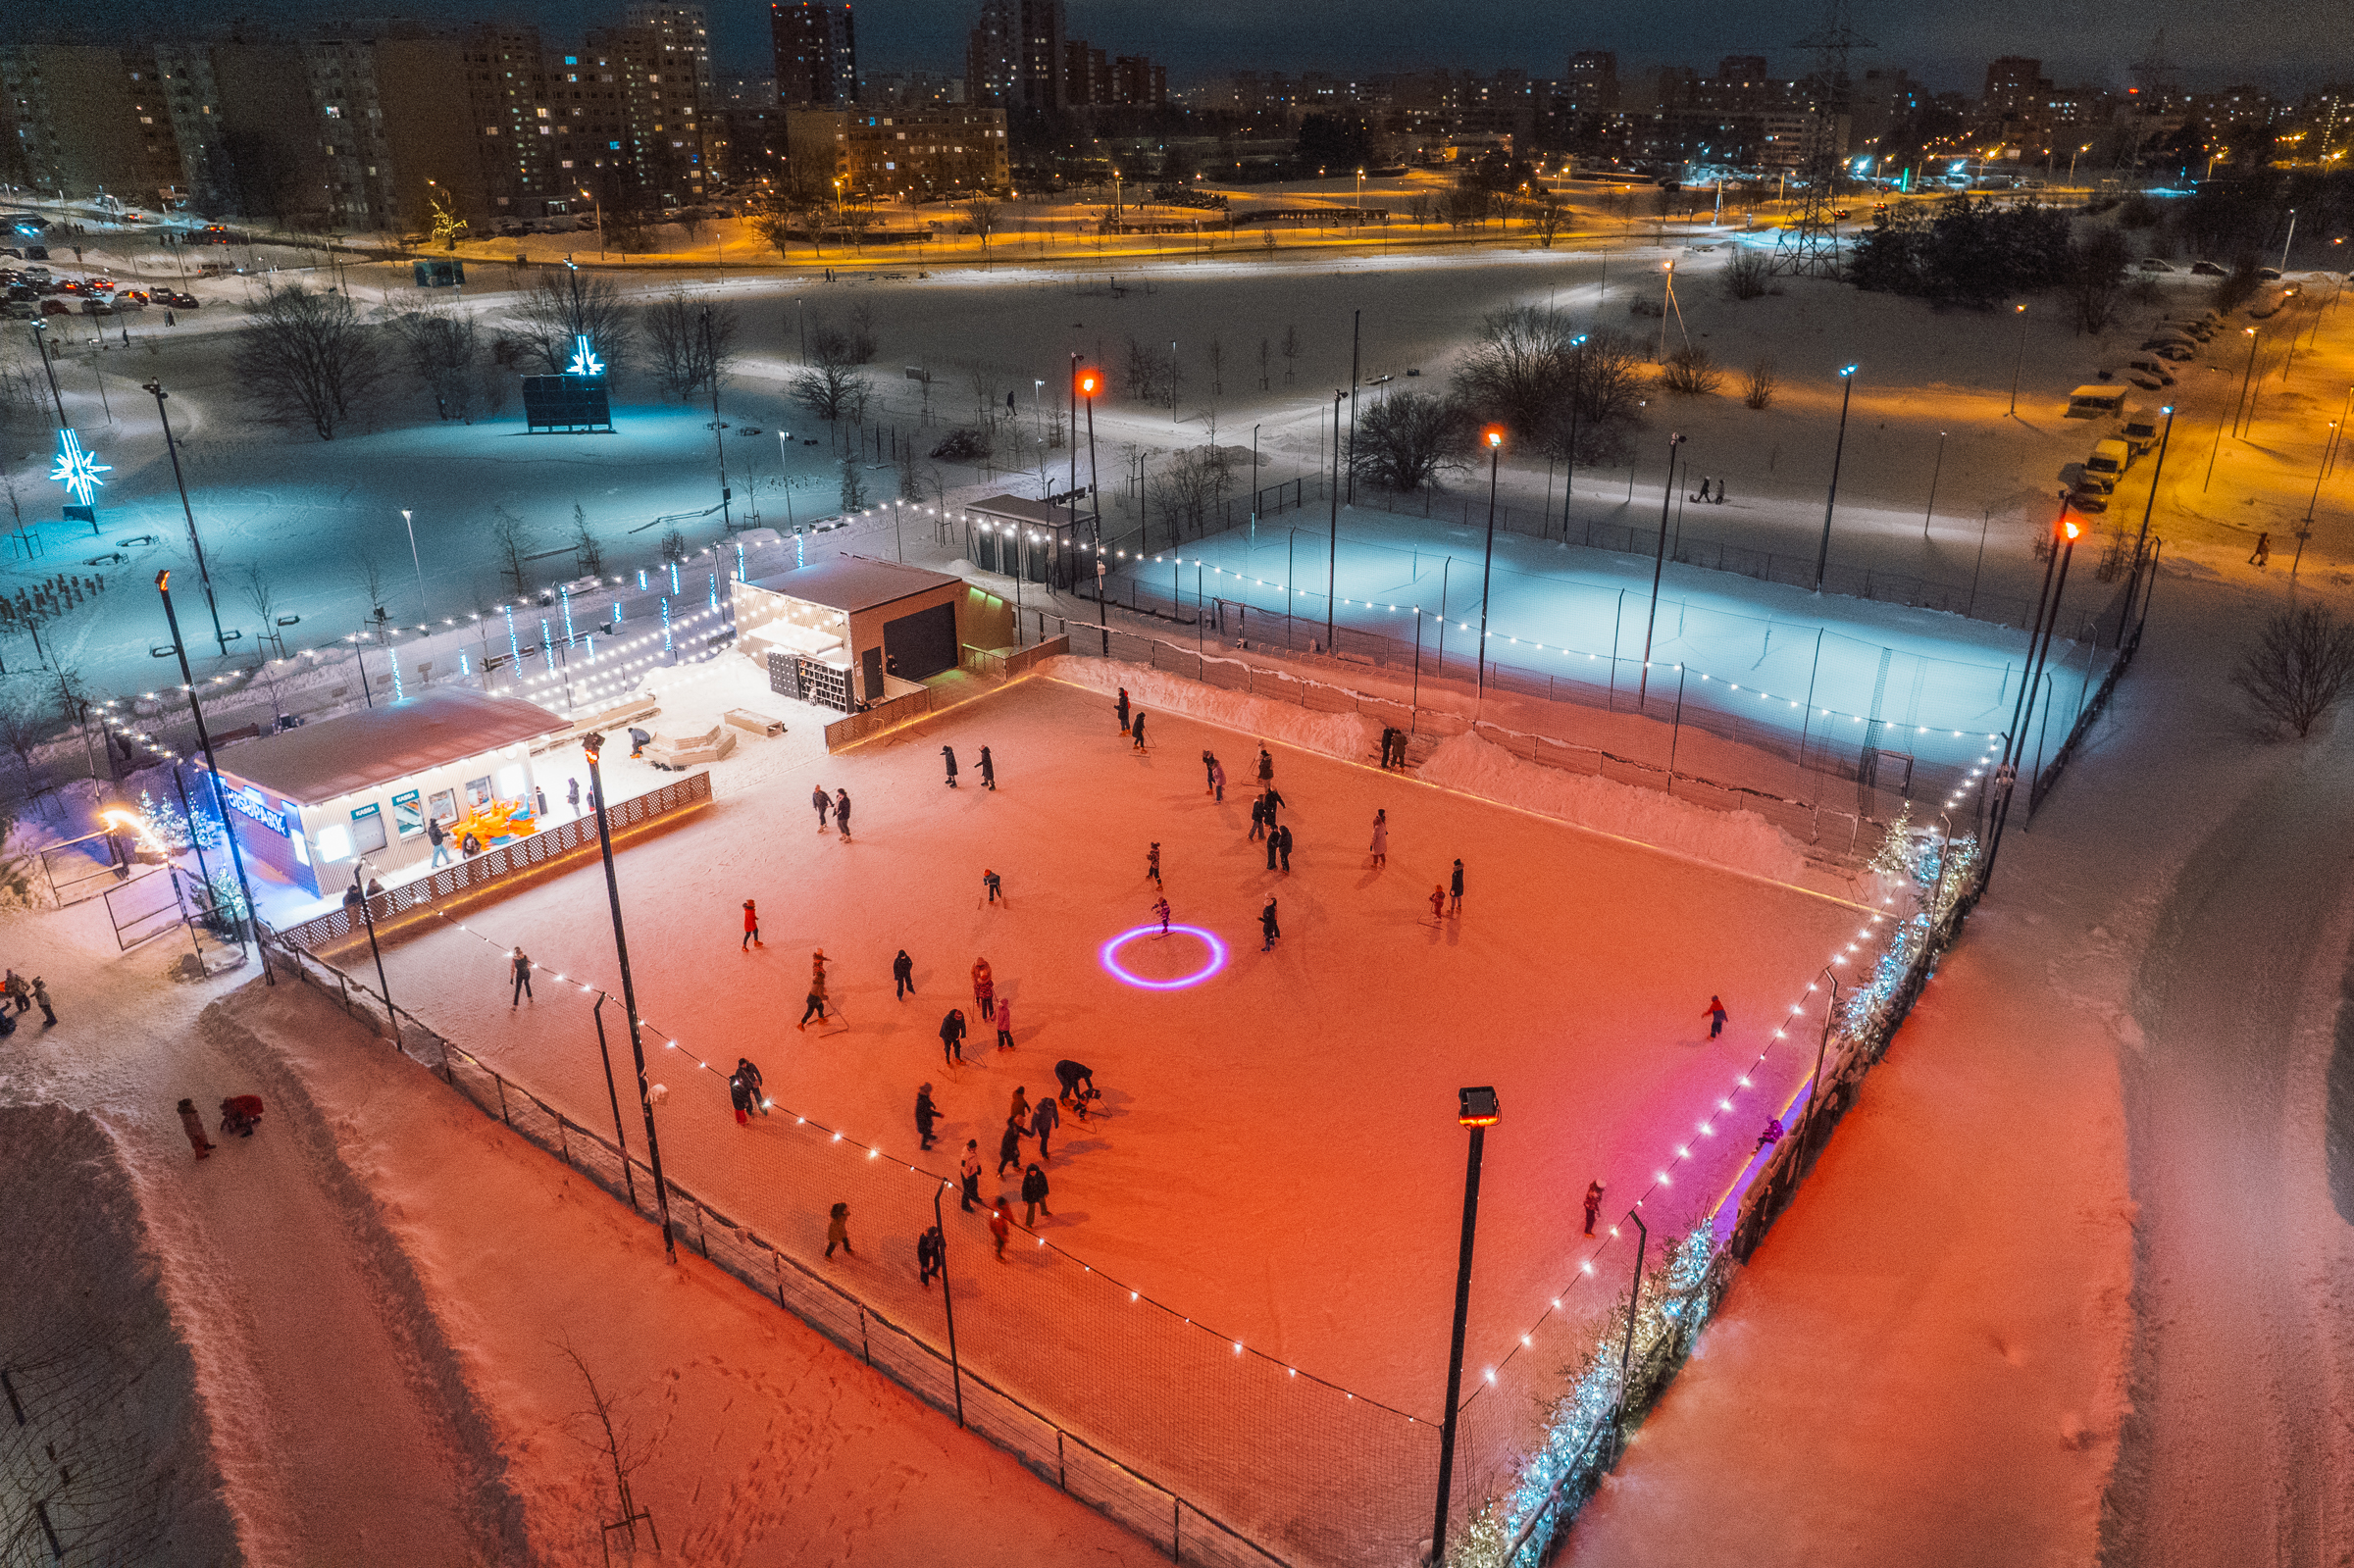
pixel 1738 839
pixel 105 1383
pixel 1347 736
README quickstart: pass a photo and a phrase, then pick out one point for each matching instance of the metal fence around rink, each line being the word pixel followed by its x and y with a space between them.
pixel 1215 1453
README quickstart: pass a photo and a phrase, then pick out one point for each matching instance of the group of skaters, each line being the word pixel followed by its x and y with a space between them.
pixel 988 767
pixel 19 996
pixel 837 804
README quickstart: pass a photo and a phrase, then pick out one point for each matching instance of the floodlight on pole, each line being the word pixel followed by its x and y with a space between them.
pixel 1476 1110
pixel 1493 438
pixel 1822 556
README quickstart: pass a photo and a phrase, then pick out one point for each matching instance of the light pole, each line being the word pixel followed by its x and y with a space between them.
pixel 2246 377
pixel 1578 382
pixel 592 744
pixel 719 434
pixel 1934 476
pixel 1658 565
pixel 2285 244
pixel 1332 570
pixel 2019 366
pixel 1494 436
pixel 2016 747
pixel 368 919
pixel 1822 556
pixel 1477 1110
pixel 196 545
pixel 2165 438
pixel 40 346
pixel 204 739
pixel 598 202
pixel 407 521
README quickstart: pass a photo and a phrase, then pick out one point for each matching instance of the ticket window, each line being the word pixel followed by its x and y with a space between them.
pixel 442 805
pixel 408 816
pixel 368 829
pixel 477 793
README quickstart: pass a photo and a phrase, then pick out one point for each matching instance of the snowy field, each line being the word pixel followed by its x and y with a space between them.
pixel 1275 1158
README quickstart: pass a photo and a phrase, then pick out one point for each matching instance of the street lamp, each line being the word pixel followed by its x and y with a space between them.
pixel 40 345
pixel 1332 570
pixel 2247 378
pixel 2015 746
pixel 719 441
pixel 2021 364
pixel 1658 565
pixel 195 545
pixel 597 203
pixel 409 522
pixel 1477 1110
pixel 204 739
pixel 1934 472
pixel 2165 438
pixel 1494 436
pixel 592 744
pixel 1577 381
pixel 1822 556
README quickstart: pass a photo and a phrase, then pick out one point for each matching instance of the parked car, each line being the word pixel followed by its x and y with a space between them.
pixel 2088 500
pixel 2151 367
pixel 2271 275
pixel 95 306
pixel 2151 264
pixel 56 307
pixel 2208 269
pixel 19 310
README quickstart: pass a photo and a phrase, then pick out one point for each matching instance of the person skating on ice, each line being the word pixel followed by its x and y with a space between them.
pixel 968 1175
pixel 1437 903
pixel 1266 768
pixel 740 1095
pixel 1593 1204
pixel 751 928
pixel 838 1231
pixel 823 802
pixel 1259 818
pixel 519 964
pixel 950 753
pixel 1160 912
pixel 1274 846
pixel 1381 839
pixel 815 1006
pixel 1034 1198
pixel 1078 1081
pixel 1043 1119
pixel 988 770
pixel 952 1037
pixel 985 986
pixel 927 1115
pixel 1009 1143
pixel 1283 847
pixel 1267 926
pixel 1455 890
pixel 994 886
pixel 1715 1015
pixel 902 975
pixel 1152 863
pixel 930 1255
pixel 1122 707
pixel 1136 729
pixel 842 812
pixel 749 1070
pixel 1005 1022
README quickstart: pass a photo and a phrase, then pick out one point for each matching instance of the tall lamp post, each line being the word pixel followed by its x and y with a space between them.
pixel 1577 381
pixel 236 855
pixel 1477 1110
pixel 195 545
pixel 1493 435
pixel 592 744
pixel 2164 439
pixel 1658 565
pixel 1332 569
pixel 1822 556
pixel 719 434
pixel 2016 749
pixel 40 345
pixel 2019 366
pixel 1934 474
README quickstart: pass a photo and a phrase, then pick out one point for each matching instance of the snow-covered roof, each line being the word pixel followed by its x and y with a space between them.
pixel 333 757
pixel 1039 514
pixel 854 582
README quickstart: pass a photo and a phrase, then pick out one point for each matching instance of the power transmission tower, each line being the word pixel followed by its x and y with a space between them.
pixel 1810 246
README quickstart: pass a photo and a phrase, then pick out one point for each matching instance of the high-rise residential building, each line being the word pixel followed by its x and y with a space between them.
pixel 1140 80
pixel 79 120
pixel 2015 109
pixel 922 152
pixel 1086 74
pixel 816 48
pixel 1592 83
pixel 1014 58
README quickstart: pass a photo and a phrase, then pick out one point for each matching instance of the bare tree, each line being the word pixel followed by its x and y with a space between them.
pixel 2299 668
pixel 1217 368
pixel 1404 443
pixel 1692 372
pixel 1291 348
pixel 1547 216
pixel 587 553
pixel 674 543
pixel 371 575
pixel 1264 347
pixel 2095 271
pixel 861 332
pixel 613 1437
pixel 307 358
pixel 982 212
pixel 775 229
pixel 693 342
pixel 1520 371
pixel 832 391
pixel 442 348
pixel 543 326
pixel 24 727
pixel 1181 492
pixel 854 220
pixel 1757 387
pixel 508 539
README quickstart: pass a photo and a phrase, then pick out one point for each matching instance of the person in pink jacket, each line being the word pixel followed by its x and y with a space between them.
pixel 1004 1017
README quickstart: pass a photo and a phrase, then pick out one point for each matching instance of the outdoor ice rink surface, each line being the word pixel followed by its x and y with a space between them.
pixel 1276 1155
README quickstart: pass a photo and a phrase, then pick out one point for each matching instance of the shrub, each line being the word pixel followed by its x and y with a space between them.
pixel 2299 668
pixel 1691 372
pixel 1757 388
pixel 1746 275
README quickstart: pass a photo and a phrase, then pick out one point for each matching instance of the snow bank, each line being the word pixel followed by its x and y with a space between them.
pixel 1739 840
pixel 105 1381
pixel 1347 736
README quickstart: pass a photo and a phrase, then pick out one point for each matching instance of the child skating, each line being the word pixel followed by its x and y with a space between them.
pixel 1715 1015
pixel 1160 912
pixel 751 928
pixel 1152 864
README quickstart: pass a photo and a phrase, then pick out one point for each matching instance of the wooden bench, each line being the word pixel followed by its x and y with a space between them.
pixel 684 751
pixel 759 724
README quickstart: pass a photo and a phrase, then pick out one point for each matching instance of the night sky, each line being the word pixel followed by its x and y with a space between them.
pixel 2281 46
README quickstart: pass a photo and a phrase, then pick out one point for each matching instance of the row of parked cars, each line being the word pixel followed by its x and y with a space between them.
pixel 31 291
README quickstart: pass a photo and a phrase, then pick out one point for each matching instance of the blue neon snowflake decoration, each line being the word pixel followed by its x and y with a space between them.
pixel 77 470
pixel 584 361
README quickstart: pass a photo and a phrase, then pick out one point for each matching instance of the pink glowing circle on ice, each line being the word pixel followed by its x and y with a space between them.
pixel 1215 962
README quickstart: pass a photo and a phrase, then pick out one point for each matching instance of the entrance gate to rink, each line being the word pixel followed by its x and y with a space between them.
pixel 84 867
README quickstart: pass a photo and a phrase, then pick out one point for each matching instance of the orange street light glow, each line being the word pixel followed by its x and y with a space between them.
pixel 1494 434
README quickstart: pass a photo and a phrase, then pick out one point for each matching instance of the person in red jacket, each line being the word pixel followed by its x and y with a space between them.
pixel 751 928
pixel 1000 1224
pixel 1714 1014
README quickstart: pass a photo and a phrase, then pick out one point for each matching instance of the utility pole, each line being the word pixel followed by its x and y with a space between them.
pixel 195 545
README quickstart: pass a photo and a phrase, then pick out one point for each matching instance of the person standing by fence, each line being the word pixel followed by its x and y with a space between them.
pixel 930 1255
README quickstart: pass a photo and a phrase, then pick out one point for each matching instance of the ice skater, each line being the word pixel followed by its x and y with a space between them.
pixel 1438 902
pixel 1267 926
pixel 1034 1197
pixel 1593 1204
pixel 838 1231
pixel 1123 706
pixel 1160 912
pixel 1259 819
pixel 193 1125
pixel 1000 1226
pixel 740 1095
pixel 927 1115
pixel 40 995
pixel 949 752
pixel 1381 839
pixel 1715 1015
pixel 988 770
pixel 1283 846
pixel 985 986
pixel 1005 1022
pixel 749 1070
pixel 902 975
pixel 968 1175
pixel 751 928
pixel 1266 768
pixel 842 812
pixel 1152 863
pixel 994 886
pixel 816 1004
pixel 1274 846
pixel 1455 890
pixel 1078 1081
pixel 930 1255
pixel 1136 729
pixel 1009 1143
pixel 824 803
pixel 1275 802
pixel 952 1037
pixel 519 963
pixel 1043 1119
pixel 1019 1109
pixel 1209 774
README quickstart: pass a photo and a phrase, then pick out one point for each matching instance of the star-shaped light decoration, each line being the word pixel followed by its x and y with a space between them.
pixel 77 470
pixel 584 362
